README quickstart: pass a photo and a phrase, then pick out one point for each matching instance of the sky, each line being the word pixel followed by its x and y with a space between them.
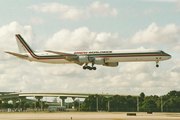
pixel 67 25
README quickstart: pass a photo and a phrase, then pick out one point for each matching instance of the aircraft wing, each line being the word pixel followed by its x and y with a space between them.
pixel 17 54
pixel 69 56
pixel 61 53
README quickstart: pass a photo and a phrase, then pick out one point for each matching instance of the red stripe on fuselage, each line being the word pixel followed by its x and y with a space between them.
pixel 132 55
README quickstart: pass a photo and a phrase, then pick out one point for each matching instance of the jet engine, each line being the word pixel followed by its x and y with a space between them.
pixel 99 61
pixel 111 64
pixel 83 59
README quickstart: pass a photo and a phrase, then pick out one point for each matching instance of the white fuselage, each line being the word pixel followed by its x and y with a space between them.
pixel 109 55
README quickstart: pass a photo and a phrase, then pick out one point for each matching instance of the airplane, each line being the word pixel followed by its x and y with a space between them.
pixel 109 58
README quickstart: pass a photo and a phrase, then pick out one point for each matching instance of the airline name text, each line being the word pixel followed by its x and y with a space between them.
pixel 100 52
pixel 92 52
pixel 80 52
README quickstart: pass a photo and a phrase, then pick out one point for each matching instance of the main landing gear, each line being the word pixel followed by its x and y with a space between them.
pixel 157 65
pixel 88 67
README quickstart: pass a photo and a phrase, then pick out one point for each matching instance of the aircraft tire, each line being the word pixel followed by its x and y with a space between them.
pixel 84 67
pixel 94 68
pixel 157 65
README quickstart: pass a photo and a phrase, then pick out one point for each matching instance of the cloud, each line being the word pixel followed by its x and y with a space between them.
pixel 168 34
pixel 136 68
pixel 7 36
pixel 50 7
pixel 176 69
pixel 81 39
pixel 75 13
pixel 99 9
pixel 176 48
pixel 36 21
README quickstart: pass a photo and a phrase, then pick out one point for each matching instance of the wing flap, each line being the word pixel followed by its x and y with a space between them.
pixel 17 54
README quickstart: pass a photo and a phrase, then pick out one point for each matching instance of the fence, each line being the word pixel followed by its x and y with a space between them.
pixel 21 110
pixel 134 109
pixel 99 109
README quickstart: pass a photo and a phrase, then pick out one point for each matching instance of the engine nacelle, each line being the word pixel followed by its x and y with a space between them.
pixel 111 64
pixel 99 61
pixel 83 59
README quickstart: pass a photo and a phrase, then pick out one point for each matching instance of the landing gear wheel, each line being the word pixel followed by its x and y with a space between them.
pixel 157 65
pixel 90 68
pixel 94 68
pixel 84 67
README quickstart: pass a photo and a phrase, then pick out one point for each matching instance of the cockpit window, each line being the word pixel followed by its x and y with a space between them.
pixel 162 52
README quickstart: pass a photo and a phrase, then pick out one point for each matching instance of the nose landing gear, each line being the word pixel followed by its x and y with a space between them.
pixel 157 65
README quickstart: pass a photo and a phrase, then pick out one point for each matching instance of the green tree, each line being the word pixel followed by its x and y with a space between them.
pixel 26 105
pixel 21 104
pixel 149 104
pixel 16 105
pixel 89 103
pixel 142 95
pixel 131 102
pixel 38 105
pixel 102 103
pixel 76 104
pixel 174 93
pixel 32 106
pixel 10 106
pixel 4 105
pixel 44 106
pixel 119 103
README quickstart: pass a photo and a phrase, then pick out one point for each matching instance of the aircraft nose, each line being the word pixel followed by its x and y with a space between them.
pixel 169 56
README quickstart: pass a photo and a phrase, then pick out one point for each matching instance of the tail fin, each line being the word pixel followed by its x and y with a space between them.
pixel 22 45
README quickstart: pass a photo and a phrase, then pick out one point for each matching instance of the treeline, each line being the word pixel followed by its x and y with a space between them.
pixel 170 103
pixel 23 105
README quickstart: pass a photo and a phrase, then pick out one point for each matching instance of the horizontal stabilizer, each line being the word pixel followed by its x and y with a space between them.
pixel 61 53
pixel 17 54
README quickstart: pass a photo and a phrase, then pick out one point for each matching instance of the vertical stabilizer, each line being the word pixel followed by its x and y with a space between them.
pixel 22 45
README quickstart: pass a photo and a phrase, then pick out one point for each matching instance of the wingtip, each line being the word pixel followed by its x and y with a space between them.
pixel 6 51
